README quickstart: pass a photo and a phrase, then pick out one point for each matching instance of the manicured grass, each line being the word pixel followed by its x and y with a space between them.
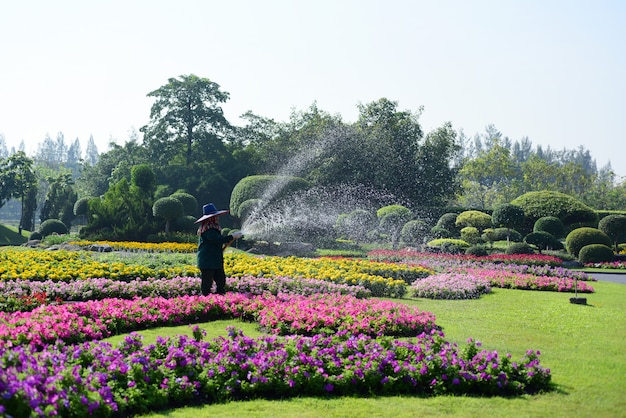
pixel 584 345
pixel 9 235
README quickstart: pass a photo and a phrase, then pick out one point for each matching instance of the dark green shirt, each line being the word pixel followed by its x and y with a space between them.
pixel 210 252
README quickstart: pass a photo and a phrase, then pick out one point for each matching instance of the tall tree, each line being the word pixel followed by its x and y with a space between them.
pixel 91 153
pixel 74 158
pixel 18 181
pixel 186 120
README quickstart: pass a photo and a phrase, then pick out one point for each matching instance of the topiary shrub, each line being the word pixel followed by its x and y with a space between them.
pixel 169 209
pixel 447 221
pixel 501 234
pixel 614 226
pixel 35 235
pixel 51 226
pixel 549 203
pixel 448 245
pixel 413 232
pixel 475 218
pixel 508 216
pixel 477 250
pixel 580 237
pixel 470 234
pixel 440 232
pixel 595 253
pixel 186 224
pixel 81 206
pixel 519 248
pixel 551 225
pixel 258 186
pixel 190 203
pixel 542 240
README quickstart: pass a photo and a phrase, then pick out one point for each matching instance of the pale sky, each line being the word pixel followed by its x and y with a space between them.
pixel 553 70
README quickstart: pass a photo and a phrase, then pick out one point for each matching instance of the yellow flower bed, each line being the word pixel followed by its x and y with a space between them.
pixel 160 247
pixel 36 264
pixel 382 279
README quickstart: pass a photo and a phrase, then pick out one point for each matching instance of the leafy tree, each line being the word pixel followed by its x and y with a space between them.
pixel 414 232
pixel 615 227
pixel 143 178
pixel 18 180
pixel 186 120
pixel 270 189
pixel 391 219
pixel 357 224
pixel 74 158
pixel 508 216
pixel 91 153
pixel 542 240
pixel 169 209
pixel 60 199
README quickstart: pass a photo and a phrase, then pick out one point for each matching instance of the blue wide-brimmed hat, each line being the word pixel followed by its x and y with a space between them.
pixel 209 211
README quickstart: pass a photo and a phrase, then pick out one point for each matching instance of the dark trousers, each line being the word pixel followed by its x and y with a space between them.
pixel 210 275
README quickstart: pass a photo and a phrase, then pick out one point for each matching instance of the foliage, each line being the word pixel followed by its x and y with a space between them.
pixel 475 218
pixel 81 206
pixel 60 199
pixel 580 237
pixel 265 187
pixel 551 225
pixel 449 245
pixel 595 253
pixel 19 181
pixel 519 248
pixel 391 219
pixel 470 234
pixel 477 250
pixel 614 226
pixel 447 221
pixel 414 232
pixel 51 226
pixel 169 209
pixel 548 203
pixel 543 241
pixel 508 216
pixel 142 176
pixel 190 203
pixel 357 224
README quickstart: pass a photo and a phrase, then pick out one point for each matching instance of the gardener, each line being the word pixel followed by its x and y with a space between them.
pixel 211 246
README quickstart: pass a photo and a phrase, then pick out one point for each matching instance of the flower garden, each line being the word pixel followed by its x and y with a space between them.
pixel 331 327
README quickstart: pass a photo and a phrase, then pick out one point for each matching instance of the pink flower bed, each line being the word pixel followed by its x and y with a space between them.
pixel 512 280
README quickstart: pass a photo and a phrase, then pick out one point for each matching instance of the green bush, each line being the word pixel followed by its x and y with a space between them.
pixel 475 218
pixel 81 206
pixel 614 226
pixel 470 234
pixel 549 203
pixel 35 235
pixel 186 224
pixel 440 232
pixel 257 186
pixel 477 250
pixel 413 232
pixel 542 240
pixel 519 248
pixel 447 221
pixel 551 225
pixel 580 237
pixel 595 253
pixel 51 226
pixel 500 234
pixel 190 203
pixel 449 245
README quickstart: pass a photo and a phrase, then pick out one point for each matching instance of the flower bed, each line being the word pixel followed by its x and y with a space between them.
pixel 412 255
pixel 609 265
pixel 160 247
pixel 451 286
pixel 23 295
pixel 285 314
pixel 97 379
pixel 513 280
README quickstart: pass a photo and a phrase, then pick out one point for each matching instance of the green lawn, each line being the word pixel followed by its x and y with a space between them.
pixel 9 235
pixel 583 345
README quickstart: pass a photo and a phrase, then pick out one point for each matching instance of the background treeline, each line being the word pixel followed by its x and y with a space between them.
pixel 189 147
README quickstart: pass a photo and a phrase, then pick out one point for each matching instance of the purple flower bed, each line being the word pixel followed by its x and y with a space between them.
pixel 97 379
pixel 451 286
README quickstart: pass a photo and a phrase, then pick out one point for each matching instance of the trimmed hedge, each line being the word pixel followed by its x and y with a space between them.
pixel 581 237
pixel 595 253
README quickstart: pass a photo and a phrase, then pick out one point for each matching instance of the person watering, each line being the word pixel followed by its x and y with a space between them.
pixel 211 246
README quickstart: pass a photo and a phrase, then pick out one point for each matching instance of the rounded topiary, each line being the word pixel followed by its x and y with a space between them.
pixel 35 235
pixel 549 203
pixel 595 253
pixel 190 203
pixel 475 218
pixel 81 206
pixel 508 216
pixel 615 227
pixel 414 231
pixel 267 187
pixel 580 237
pixel 440 232
pixel 477 250
pixel 542 240
pixel 247 208
pixel 502 233
pixel 185 223
pixel 470 234
pixel 448 245
pixel 551 225
pixel 169 209
pixel 447 221
pixel 519 248
pixel 51 226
